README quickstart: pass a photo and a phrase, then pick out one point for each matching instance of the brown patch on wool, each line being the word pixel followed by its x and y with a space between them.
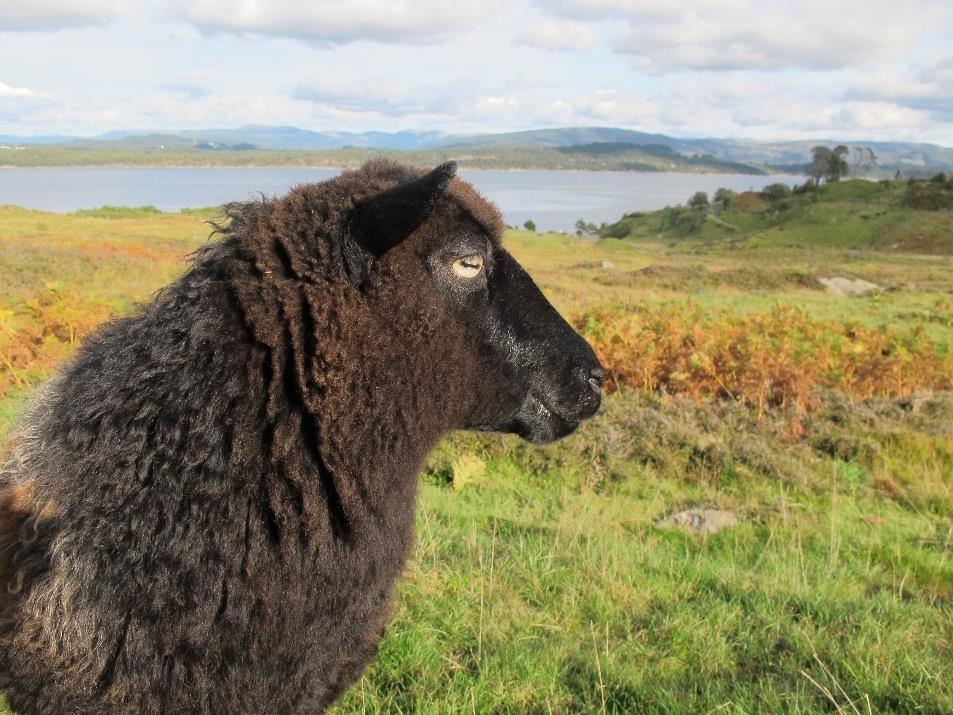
pixel 485 213
pixel 378 175
pixel 19 509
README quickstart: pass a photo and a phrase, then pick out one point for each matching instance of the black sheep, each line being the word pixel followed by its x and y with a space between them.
pixel 207 509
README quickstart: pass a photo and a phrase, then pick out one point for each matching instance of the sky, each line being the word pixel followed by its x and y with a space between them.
pixel 771 70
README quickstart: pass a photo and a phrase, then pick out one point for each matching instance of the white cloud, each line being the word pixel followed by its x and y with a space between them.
pixel 333 22
pixel 560 34
pixel 382 98
pixel 185 90
pixel 39 15
pixel 598 9
pixel 927 87
pixel 163 110
pixel 805 69
pixel 17 102
pixel 611 106
pixel 8 92
pixel 744 105
pixel 449 105
pixel 494 108
pixel 751 106
pixel 771 35
pixel 879 118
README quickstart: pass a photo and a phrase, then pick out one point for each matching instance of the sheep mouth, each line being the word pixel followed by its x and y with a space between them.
pixel 537 402
pixel 539 421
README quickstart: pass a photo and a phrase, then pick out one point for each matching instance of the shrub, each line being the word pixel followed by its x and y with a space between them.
pixel 774 192
pixel 776 359
pixel 619 229
pixel 584 228
pixel 930 195
pixel 118 212
pixel 808 186
pixel 750 201
pixel 724 197
pixel 681 220
pixel 699 200
pixel 43 332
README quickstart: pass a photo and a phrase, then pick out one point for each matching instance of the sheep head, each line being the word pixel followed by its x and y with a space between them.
pixel 493 354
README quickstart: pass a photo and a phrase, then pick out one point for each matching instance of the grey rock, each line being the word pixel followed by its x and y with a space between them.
pixel 698 520
pixel 844 287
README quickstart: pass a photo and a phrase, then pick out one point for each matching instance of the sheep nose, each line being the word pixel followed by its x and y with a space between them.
pixel 586 390
pixel 596 377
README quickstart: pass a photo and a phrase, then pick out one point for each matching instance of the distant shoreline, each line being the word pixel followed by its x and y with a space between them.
pixel 463 167
pixel 612 157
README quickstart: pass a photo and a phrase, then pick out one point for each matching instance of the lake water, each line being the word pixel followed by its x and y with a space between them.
pixel 554 200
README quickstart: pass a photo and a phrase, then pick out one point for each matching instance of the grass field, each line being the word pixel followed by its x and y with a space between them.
pixel 541 580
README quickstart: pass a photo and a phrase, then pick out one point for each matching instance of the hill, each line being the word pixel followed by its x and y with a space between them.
pixel 569 136
pixel 902 216
pixel 906 156
pixel 174 150
pixel 909 158
pixel 498 150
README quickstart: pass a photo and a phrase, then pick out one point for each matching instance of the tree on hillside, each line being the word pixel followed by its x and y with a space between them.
pixel 829 164
pixel 699 200
pixel 584 228
pixel 838 166
pixel 863 161
pixel 724 197
pixel 820 161
pixel 529 225
pixel 776 192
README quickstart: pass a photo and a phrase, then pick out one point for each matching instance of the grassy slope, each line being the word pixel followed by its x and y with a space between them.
pixel 542 585
pixel 852 215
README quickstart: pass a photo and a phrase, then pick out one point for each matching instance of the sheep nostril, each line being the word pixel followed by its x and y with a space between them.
pixel 593 377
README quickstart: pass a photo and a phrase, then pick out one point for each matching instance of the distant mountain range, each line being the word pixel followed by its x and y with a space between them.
pixel 258 137
pixel 788 155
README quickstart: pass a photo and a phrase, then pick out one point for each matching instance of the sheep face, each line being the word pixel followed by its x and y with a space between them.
pixel 503 357
pixel 537 376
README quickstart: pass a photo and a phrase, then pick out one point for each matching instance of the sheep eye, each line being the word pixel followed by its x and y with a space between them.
pixel 468 266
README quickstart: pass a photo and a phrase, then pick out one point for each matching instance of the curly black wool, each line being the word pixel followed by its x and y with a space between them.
pixel 206 510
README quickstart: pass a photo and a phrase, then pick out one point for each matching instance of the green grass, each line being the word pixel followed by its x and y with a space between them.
pixel 848 215
pixel 545 588
pixel 541 583
pixel 527 599
pixel 118 212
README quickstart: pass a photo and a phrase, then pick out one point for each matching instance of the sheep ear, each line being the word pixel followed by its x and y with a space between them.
pixel 384 220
